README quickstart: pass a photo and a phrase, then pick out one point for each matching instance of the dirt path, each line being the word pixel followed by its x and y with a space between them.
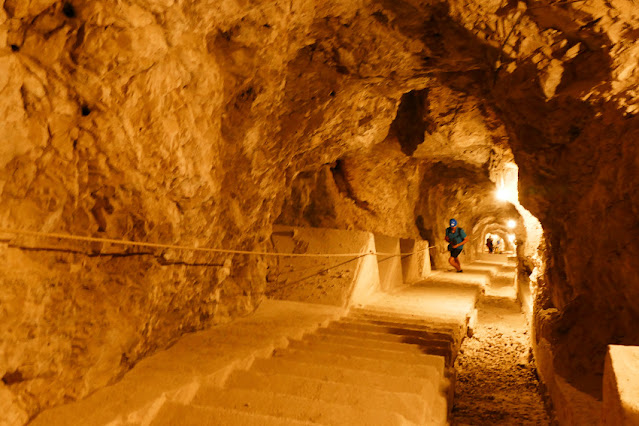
pixel 496 379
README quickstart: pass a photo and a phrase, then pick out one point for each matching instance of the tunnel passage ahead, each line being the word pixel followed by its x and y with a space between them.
pixel 389 359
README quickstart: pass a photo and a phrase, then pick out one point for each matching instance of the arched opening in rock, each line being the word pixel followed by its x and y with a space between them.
pixel 499 244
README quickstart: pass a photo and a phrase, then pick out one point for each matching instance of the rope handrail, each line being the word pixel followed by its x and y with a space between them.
pixel 187 248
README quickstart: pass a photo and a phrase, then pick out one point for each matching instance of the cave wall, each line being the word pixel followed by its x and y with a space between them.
pixel 587 202
pixel 565 84
pixel 373 189
pixel 163 121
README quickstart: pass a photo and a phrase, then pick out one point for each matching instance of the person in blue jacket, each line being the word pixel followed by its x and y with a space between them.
pixel 456 238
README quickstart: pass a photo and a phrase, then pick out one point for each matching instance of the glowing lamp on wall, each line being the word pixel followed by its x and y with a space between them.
pixel 502 194
pixel 511 223
pixel 506 193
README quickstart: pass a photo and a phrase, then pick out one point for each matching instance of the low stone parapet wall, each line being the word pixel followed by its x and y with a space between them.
pixel 415 267
pixel 325 280
pixel 337 279
pixel 621 386
pixel 389 262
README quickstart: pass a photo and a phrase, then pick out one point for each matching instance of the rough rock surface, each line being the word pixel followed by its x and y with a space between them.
pixel 436 162
pixel 203 123
pixel 567 92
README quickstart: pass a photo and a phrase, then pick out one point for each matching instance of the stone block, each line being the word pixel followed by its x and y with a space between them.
pixel 621 386
pixel 327 280
pixel 415 267
pixel 389 263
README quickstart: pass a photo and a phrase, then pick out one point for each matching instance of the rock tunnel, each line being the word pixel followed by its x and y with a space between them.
pixel 223 124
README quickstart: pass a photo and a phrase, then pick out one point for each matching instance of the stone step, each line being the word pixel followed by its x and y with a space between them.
pixel 351 376
pixel 504 278
pixel 410 405
pixel 444 349
pixel 501 265
pixel 500 301
pixel 453 334
pixel 416 300
pixel 468 281
pixel 444 341
pixel 482 268
pixel 493 257
pixel 387 324
pixel 295 407
pixel 380 354
pixel 397 317
pixel 508 269
pixel 433 373
pixel 508 292
pixel 172 414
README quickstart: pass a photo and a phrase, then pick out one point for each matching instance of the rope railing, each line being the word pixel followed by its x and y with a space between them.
pixel 188 248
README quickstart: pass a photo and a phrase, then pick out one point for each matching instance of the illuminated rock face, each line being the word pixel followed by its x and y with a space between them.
pixel 435 163
pixel 577 157
pixel 203 123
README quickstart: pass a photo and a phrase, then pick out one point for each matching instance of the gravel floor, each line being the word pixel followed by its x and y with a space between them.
pixel 497 382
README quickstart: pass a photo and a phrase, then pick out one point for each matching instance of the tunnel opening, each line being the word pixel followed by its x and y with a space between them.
pixel 484 199
pixel 411 121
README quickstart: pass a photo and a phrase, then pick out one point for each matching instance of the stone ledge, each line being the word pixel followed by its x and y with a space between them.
pixel 572 407
pixel 336 281
pixel 621 386
pixel 199 359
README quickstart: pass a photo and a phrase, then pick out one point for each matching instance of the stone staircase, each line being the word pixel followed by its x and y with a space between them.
pixel 387 363
pixel 367 368
pixel 372 367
